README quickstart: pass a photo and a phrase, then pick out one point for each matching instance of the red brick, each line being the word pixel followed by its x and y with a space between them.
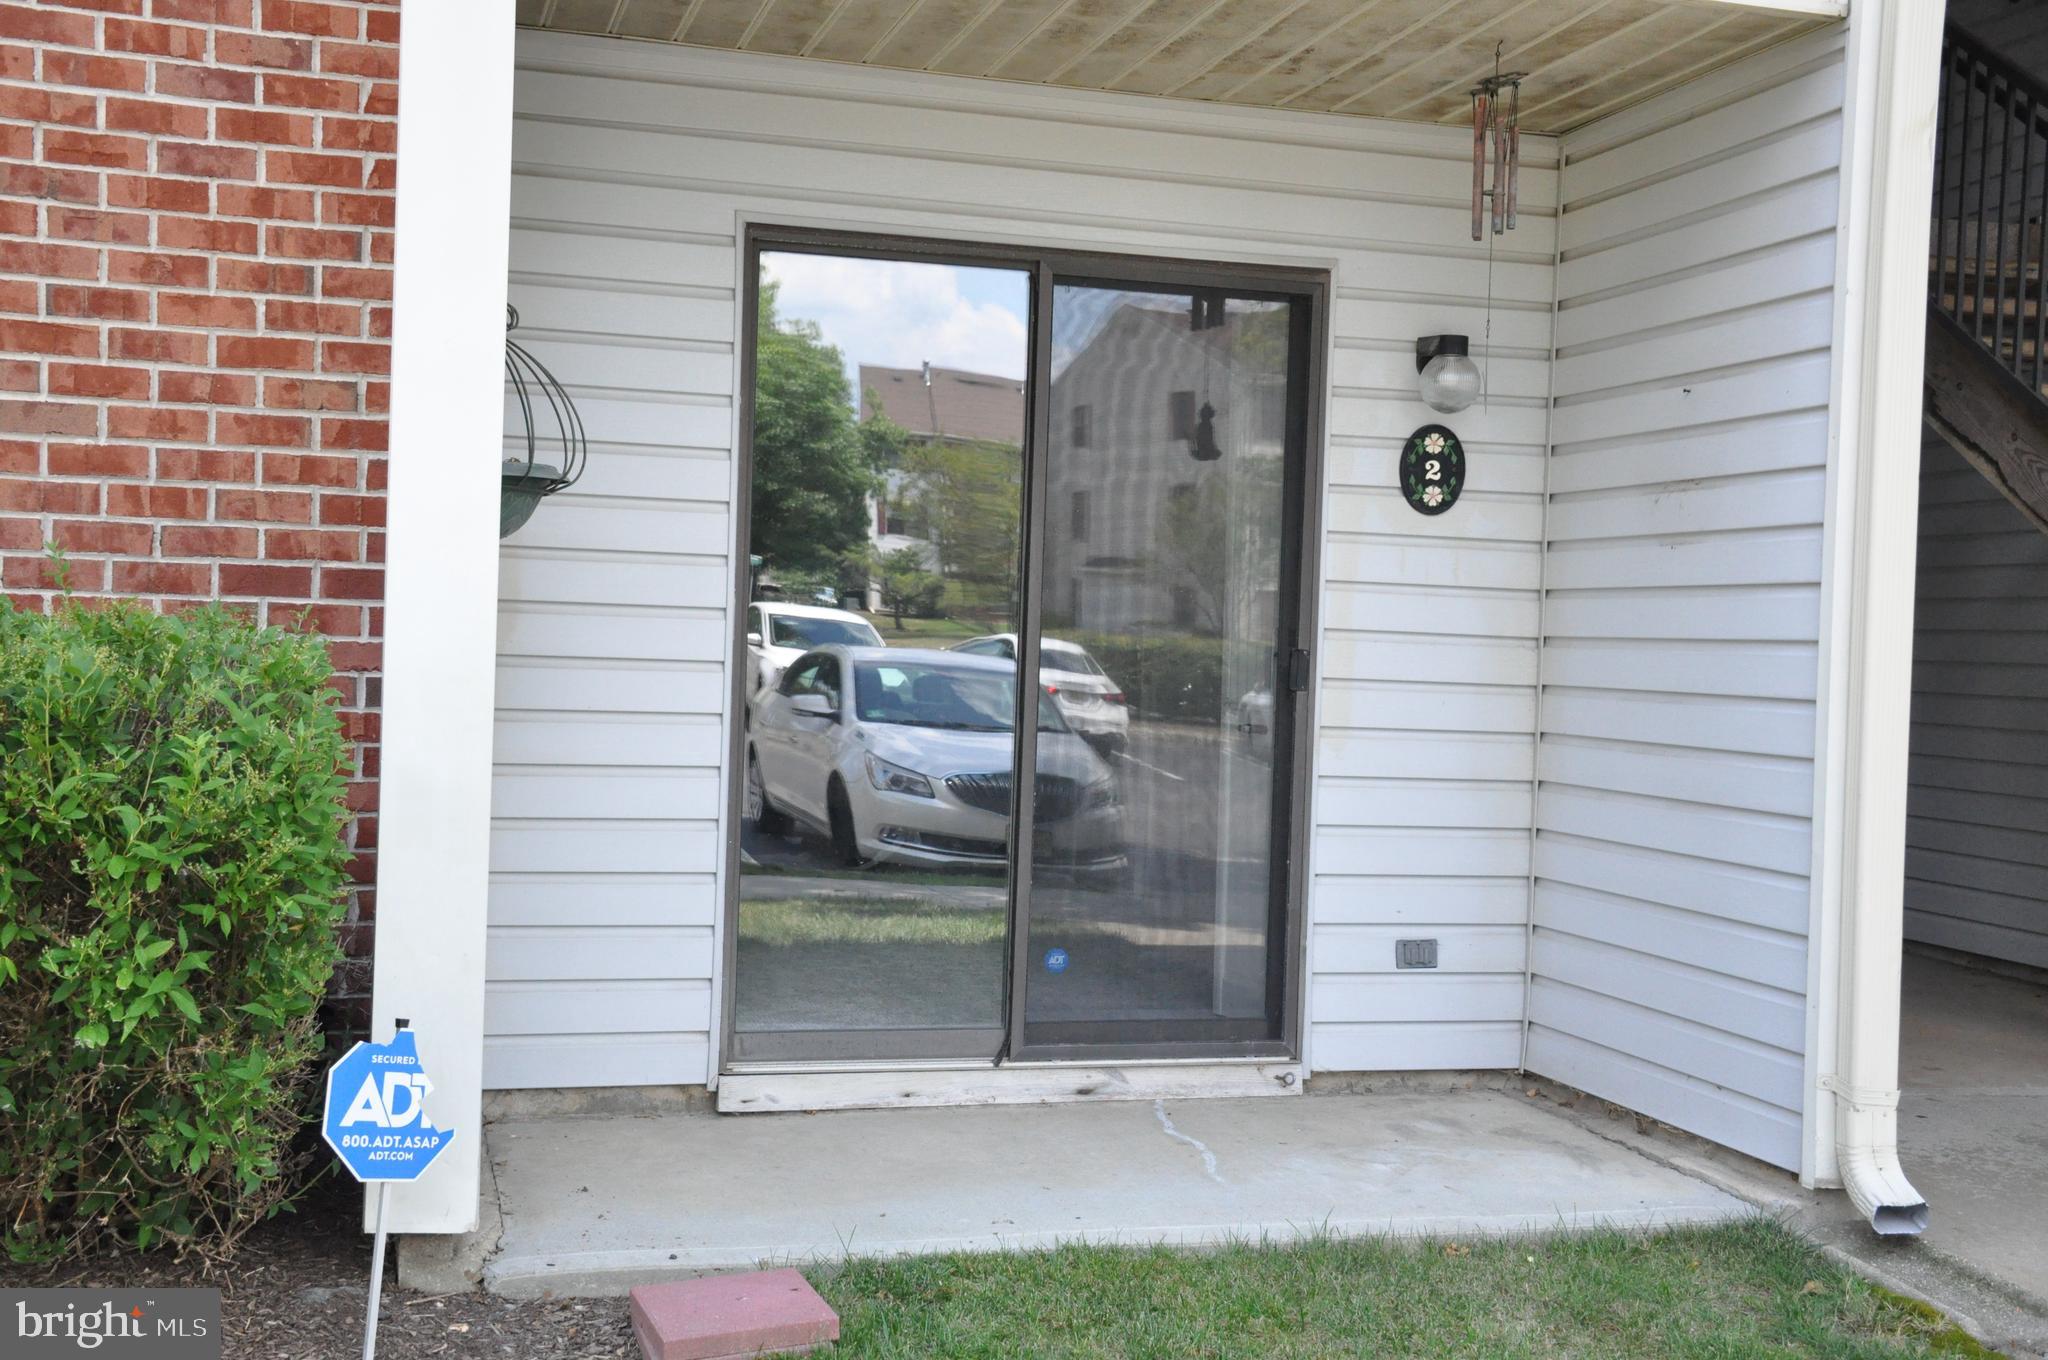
pixel 158 502
pixel 158 116
pixel 253 351
pixel 381 26
pixel 340 318
pixel 248 200
pixel 204 233
pixel 17 62
pixel 20 456
pixel 311 92
pixel 367 435
pixel 205 82
pixel 168 195
pixel 383 99
pixel 310 243
pixel 260 125
pixel 356 656
pixel 206 309
pixel 336 620
pixel 359 134
pixel 362 726
pixel 69 147
pixel 250 276
pixel 163 578
pixel 50 182
pixel 40 573
pixel 19 295
pixel 250 579
pixel 227 13
pixel 178 271
pixel 99 460
pixel 17 143
pixel 309 394
pixel 305 167
pixel 20 533
pixel 242 427
pixel 359 210
pixel 276 507
pixel 156 40
pixel 286 469
pixel 36 104
pixel 98 380
pixel 116 304
pixel 359 511
pixel 320 21
pixel 205 465
pixel 205 161
pixel 50 261
pixel 30 23
pixel 20 375
pixel 106 73
pixel 344 356
pixel 263 49
pixel 359 59
pixel 50 498
pixel 87 224
pixel 377 396
pixel 157 422
pixel 216 389
pixel 99 536
pixel 352 583
pixel 157 347
pixel 311 545
pixel 42 337
pixel 340 282
pixel 48 417
pixel 212 540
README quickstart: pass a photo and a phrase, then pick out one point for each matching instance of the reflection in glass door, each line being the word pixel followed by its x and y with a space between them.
pixel 1164 612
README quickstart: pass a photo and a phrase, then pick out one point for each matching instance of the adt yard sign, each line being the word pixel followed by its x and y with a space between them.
pixel 376 1118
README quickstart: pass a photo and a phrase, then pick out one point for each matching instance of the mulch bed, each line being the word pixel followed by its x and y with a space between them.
pixel 298 1285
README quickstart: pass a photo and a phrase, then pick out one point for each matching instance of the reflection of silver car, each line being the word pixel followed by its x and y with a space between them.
pixel 1252 717
pixel 1089 700
pixel 779 633
pixel 904 755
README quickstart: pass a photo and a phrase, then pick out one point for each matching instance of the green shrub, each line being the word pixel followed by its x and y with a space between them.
pixel 171 874
pixel 1177 676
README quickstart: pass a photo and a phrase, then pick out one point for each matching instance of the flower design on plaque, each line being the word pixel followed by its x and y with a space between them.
pixel 1432 469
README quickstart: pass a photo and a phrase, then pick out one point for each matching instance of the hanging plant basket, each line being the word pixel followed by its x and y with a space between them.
pixel 548 450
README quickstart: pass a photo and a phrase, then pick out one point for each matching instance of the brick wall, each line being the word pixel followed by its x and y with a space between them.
pixel 195 247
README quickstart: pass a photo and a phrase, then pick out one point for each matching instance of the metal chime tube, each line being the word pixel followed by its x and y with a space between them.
pixel 1514 151
pixel 1500 164
pixel 1481 116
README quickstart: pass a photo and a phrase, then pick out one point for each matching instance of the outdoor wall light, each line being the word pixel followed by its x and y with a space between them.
pixel 1449 379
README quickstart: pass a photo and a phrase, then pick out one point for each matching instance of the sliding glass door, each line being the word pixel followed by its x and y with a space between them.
pixel 1003 512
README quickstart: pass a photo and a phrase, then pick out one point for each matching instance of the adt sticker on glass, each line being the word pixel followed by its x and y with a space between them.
pixel 1056 960
pixel 376 1118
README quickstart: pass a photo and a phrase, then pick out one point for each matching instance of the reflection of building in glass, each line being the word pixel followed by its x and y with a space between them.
pixel 1145 533
pixel 953 495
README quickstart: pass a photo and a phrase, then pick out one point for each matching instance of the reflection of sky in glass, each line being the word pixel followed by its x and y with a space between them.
pixel 901 313
pixel 1079 314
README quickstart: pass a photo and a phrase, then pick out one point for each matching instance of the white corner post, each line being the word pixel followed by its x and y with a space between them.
pixel 1893 75
pixel 441 578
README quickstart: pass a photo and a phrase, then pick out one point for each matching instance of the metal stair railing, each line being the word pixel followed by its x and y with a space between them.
pixel 1990 202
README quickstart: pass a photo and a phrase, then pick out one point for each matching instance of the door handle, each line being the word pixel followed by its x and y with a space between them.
pixel 1298 671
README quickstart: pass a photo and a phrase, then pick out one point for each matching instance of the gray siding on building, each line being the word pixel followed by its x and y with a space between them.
pixel 1682 599
pixel 1977 807
pixel 635 166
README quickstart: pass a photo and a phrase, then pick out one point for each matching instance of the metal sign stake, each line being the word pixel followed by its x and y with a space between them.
pixel 376 1276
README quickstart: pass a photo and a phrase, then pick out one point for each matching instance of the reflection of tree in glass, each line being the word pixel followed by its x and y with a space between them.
pixel 907 587
pixel 965 494
pixel 814 468
pixel 1202 544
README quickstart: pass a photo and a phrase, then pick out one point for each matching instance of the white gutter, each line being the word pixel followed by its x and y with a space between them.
pixel 1889 167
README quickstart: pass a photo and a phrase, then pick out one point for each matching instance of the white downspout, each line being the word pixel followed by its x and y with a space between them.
pixel 1894 79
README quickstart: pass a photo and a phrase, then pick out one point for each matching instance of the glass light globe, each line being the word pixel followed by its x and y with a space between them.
pixel 1449 382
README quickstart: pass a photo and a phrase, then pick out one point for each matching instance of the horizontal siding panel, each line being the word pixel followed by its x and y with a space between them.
pixel 1440 1045
pixel 1452 997
pixel 1721 778
pixel 1460 949
pixel 1392 849
pixel 547 1062
pixel 1776 901
pixel 1711 1000
pixel 1427 657
pixel 521 1008
pixel 1720 1059
pixel 1762 670
pixel 603 899
pixel 1394 899
pixel 535 953
pixel 603 739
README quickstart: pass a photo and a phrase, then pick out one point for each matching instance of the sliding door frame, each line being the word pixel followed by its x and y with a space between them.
pixel 1295 720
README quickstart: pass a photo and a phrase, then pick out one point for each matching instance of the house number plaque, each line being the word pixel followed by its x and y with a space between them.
pixel 1432 469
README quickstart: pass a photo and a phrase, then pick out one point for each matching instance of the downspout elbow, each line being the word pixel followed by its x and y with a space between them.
pixel 1868 1149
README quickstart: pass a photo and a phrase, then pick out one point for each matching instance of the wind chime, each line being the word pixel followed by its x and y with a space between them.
pixel 1496 125
pixel 1206 312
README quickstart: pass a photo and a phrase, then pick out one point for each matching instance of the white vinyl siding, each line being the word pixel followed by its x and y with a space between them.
pixel 635 167
pixel 1977 808
pixel 1681 599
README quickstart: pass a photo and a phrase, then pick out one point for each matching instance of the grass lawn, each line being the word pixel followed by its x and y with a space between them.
pixel 1732 1293
pixel 925 632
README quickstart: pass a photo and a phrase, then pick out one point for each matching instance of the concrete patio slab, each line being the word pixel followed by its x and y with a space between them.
pixel 596 1205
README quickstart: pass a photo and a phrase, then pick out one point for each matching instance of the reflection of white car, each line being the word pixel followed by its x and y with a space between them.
pixel 1089 700
pixel 904 755
pixel 779 633
pixel 1252 717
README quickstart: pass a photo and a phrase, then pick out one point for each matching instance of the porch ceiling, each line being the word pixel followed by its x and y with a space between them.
pixel 1412 59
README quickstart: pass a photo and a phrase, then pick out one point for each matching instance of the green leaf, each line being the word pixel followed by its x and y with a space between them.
pixel 93 1035
pixel 182 999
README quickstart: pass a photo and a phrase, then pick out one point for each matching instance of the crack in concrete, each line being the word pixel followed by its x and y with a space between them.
pixel 1208 1157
